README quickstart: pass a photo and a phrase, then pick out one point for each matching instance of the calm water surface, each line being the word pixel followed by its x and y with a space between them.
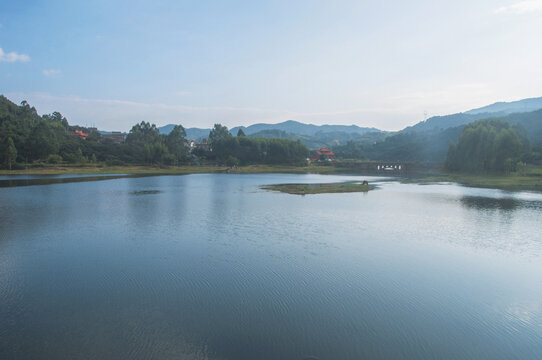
pixel 212 267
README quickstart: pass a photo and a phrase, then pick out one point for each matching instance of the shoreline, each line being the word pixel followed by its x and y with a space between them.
pixel 531 179
pixel 173 170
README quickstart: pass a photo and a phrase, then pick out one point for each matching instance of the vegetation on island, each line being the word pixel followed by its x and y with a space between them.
pixel 307 189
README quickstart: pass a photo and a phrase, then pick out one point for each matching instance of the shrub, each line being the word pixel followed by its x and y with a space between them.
pixel 54 159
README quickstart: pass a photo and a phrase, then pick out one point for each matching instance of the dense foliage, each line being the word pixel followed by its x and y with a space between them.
pixel 26 138
pixel 235 150
pixel 429 146
pixel 487 146
pixel 431 143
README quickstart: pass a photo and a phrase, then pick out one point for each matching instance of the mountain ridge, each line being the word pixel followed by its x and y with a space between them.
pixel 498 109
pixel 291 126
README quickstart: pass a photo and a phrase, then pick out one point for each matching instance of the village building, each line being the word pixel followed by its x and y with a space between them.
pixel 323 154
pixel 80 134
pixel 115 136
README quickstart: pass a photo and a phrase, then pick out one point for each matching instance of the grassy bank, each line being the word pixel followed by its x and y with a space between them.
pixel 99 170
pixel 529 179
pixel 306 189
pixel 171 170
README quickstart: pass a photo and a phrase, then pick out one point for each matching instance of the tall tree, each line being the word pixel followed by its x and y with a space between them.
pixel 58 118
pixel 176 144
pixel 218 133
pixel 11 152
pixel 486 146
pixel 145 143
pixel 240 132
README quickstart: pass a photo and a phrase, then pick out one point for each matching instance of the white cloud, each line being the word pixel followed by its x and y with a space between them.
pixel 522 7
pixel 51 72
pixel 13 56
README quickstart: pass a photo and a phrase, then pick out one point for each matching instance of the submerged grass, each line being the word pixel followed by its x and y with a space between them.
pixel 306 189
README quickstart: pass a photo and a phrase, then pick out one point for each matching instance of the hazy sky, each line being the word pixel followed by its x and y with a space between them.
pixel 371 63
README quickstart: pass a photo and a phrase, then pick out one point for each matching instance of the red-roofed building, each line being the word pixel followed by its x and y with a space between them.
pixel 323 154
pixel 79 133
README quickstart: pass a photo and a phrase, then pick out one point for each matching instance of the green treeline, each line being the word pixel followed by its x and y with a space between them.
pixel 27 138
pixel 488 146
pixel 428 146
pixel 429 142
pixel 241 150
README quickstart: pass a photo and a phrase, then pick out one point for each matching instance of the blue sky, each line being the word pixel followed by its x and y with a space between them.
pixel 382 64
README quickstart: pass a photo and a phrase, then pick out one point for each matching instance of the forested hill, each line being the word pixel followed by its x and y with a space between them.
pixel 298 128
pixel 499 109
pixel 290 126
pixel 432 145
pixel 505 108
pixel 27 139
pixel 490 146
pixel 313 136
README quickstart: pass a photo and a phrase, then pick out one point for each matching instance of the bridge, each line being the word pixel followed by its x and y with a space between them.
pixel 389 167
pixel 395 167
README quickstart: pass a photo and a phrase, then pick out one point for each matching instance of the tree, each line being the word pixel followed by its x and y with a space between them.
pixel 218 133
pixel 240 132
pixel 487 146
pixel 58 118
pixel 144 142
pixel 176 144
pixel 232 161
pixel 143 133
pixel 11 152
pixel 45 139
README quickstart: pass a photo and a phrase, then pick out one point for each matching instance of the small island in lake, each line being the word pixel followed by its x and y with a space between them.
pixel 305 189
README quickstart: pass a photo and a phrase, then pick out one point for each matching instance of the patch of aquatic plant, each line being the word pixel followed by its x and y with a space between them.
pixel 322 188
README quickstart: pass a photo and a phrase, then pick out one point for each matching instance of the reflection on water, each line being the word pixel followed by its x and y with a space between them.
pixel 212 267
pixel 484 203
pixel 30 180
pixel 146 192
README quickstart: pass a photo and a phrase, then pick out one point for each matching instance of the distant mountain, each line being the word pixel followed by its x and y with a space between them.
pixel 445 122
pixel 531 122
pixel 425 141
pixel 314 136
pixel 432 144
pixel 191 133
pixel 197 134
pixel 310 142
pixel 296 127
pixel 426 146
pixel 498 109
pixel 505 108
pixel 166 129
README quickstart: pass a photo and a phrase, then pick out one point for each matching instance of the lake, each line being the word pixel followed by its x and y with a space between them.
pixel 210 266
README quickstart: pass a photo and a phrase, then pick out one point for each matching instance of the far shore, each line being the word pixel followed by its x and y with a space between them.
pixel 172 170
pixel 529 179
